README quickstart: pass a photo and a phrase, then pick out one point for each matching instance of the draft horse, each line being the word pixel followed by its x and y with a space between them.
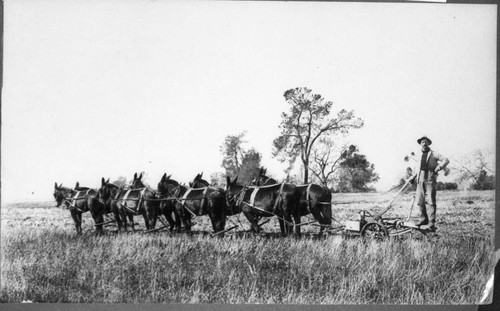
pixel 166 190
pixel 255 202
pixel 192 202
pixel 108 195
pixel 138 200
pixel 198 182
pixel 79 200
pixel 314 199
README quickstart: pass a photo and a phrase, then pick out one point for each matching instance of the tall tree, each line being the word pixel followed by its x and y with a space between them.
pixel 232 153
pixel 358 172
pixel 250 165
pixel 307 120
pixel 238 161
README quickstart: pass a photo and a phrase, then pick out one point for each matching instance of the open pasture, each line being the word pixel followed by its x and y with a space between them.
pixel 43 260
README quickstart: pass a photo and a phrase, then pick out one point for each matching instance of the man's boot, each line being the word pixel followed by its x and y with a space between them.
pixel 432 219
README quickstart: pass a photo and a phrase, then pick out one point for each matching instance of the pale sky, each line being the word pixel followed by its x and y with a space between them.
pixel 97 89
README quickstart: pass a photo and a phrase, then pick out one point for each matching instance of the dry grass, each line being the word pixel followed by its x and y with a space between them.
pixel 43 260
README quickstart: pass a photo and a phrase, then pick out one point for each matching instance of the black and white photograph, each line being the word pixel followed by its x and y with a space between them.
pixel 248 152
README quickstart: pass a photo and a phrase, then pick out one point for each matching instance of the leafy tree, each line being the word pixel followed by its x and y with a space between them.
pixel 484 182
pixel 232 153
pixel 357 171
pixel 250 165
pixel 238 161
pixel 121 181
pixel 307 121
pixel 473 169
pixel 218 179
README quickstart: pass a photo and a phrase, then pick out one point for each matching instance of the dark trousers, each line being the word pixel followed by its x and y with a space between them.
pixel 427 211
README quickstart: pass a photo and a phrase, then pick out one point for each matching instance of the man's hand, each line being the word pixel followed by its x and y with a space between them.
pixel 437 169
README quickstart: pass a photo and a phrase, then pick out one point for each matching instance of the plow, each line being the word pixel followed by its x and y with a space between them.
pixel 375 225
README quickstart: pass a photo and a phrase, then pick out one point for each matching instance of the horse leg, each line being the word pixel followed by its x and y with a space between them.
pixel 98 220
pixel 131 219
pixel 180 216
pixel 167 213
pixel 154 211
pixel 123 217
pixel 75 220
pixel 187 222
pixel 296 220
pixel 79 220
pixel 118 220
pixel 170 220
pixel 146 221
pixel 254 226
pixel 282 226
pixel 319 217
pixel 212 221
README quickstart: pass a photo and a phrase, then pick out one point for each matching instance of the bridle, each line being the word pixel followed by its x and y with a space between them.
pixel 60 198
pixel 108 191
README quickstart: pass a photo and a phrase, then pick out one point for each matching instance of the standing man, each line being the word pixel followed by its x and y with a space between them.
pixel 430 164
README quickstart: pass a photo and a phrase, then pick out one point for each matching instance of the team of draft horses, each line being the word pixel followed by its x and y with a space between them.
pixel 179 204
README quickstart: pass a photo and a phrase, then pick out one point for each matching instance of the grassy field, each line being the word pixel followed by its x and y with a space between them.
pixel 42 260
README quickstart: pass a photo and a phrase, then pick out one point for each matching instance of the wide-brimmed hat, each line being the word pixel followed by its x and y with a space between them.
pixel 424 137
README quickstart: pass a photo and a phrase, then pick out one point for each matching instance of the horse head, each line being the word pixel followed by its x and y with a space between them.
pixel 61 193
pixel 137 182
pixel 198 182
pixel 167 186
pixel 262 179
pixel 106 191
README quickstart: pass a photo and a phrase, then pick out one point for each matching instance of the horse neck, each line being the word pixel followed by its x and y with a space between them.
pixel 174 184
pixel 268 181
pixel 182 189
pixel 237 188
pixel 137 186
pixel 67 192
pixel 200 184
pixel 113 190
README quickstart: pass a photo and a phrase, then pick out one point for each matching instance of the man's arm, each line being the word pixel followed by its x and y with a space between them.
pixel 442 162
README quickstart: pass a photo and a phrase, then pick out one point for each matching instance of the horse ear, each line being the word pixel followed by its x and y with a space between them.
pixel 140 176
pixel 55 186
pixel 60 186
pixel 107 181
pixel 103 182
pixel 77 185
pixel 135 176
pixel 168 177
pixel 201 175
pixel 265 171
pixel 228 180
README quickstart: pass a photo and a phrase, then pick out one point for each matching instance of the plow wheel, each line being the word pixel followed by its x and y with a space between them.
pixel 374 230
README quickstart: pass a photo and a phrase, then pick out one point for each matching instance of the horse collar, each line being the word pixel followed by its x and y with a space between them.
pixel 252 196
pixel 308 197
